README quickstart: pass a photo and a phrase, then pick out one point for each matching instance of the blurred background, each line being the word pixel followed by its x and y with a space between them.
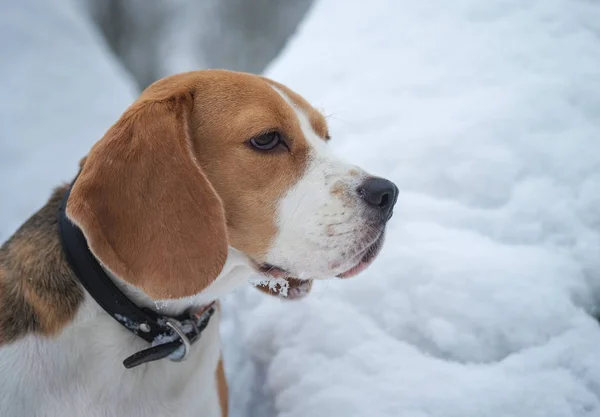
pixel 155 38
pixel 485 113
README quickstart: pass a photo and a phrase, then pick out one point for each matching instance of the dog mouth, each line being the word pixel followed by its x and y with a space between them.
pixel 273 271
pixel 294 288
pixel 369 255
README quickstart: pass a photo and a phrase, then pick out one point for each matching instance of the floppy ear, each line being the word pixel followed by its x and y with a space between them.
pixel 147 210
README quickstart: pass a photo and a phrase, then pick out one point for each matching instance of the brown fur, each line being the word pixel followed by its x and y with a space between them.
pixel 38 291
pixel 222 388
pixel 233 109
pixel 147 210
pixel 174 180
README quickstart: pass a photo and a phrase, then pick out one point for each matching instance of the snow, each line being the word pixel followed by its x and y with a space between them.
pixel 61 89
pixel 485 116
pixel 278 285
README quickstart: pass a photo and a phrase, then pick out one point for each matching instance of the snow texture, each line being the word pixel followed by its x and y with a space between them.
pixel 60 89
pixel 278 285
pixel 485 114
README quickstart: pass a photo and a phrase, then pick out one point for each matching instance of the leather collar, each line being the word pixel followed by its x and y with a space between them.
pixel 169 336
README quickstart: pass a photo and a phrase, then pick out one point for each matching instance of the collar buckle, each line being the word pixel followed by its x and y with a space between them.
pixel 172 349
pixel 185 342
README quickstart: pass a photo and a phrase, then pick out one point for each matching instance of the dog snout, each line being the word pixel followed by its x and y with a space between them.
pixel 379 194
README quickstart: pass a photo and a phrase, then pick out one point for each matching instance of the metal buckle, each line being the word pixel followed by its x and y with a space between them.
pixel 184 339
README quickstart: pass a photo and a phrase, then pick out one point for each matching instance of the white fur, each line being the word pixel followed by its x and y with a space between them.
pixel 80 372
pixel 235 272
pixel 328 229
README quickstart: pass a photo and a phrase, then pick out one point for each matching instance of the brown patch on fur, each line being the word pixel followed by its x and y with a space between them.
pixel 338 189
pixel 222 388
pixel 341 191
pixel 38 291
pixel 232 108
pixel 146 208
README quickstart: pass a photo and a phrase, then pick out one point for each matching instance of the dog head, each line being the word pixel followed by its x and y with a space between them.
pixel 208 162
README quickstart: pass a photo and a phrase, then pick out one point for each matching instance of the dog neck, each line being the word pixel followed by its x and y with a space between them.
pixel 187 317
pixel 236 272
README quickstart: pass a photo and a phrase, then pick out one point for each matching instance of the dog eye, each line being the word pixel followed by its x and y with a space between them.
pixel 267 141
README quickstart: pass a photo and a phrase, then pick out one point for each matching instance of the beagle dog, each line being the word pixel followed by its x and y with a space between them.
pixel 208 179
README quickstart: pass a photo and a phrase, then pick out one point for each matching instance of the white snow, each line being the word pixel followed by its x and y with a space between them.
pixel 278 285
pixel 60 89
pixel 485 113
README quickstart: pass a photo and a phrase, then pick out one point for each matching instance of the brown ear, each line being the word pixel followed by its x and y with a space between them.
pixel 146 208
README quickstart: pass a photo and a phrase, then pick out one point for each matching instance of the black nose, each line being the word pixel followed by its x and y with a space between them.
pixel 380 194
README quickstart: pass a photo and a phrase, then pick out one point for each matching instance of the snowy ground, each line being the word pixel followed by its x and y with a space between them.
pixel 486 116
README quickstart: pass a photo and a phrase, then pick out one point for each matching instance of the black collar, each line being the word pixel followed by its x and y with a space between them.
pixel 166 334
